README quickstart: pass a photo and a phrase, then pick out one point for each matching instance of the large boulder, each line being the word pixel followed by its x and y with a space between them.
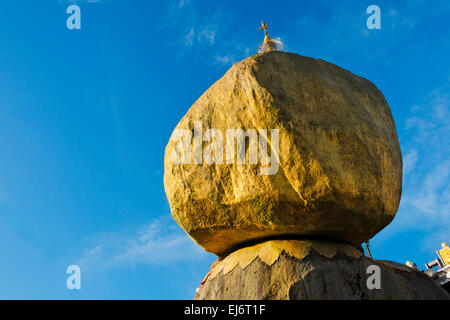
pixel 313 270
pixel 335 171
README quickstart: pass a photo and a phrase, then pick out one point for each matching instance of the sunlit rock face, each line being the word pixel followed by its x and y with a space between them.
pixel 313 270
pixel 335 173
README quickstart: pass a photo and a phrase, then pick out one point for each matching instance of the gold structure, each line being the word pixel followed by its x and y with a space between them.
pixel 445 253
pixel 269 44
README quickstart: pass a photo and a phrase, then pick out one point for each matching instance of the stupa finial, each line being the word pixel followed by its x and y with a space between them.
pixel 264 26
pixel 269 44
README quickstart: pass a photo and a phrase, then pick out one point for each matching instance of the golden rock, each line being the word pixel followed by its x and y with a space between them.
pixel 339 173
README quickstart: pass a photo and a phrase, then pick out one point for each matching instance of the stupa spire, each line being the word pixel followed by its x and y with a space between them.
pixel 269 44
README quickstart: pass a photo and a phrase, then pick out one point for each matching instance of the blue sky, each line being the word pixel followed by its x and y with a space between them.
pixel 85 116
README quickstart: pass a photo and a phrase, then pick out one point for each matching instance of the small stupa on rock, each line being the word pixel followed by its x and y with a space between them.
pixel 269 44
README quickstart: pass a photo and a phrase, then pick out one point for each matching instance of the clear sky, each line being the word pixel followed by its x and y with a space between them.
pixel 85 116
